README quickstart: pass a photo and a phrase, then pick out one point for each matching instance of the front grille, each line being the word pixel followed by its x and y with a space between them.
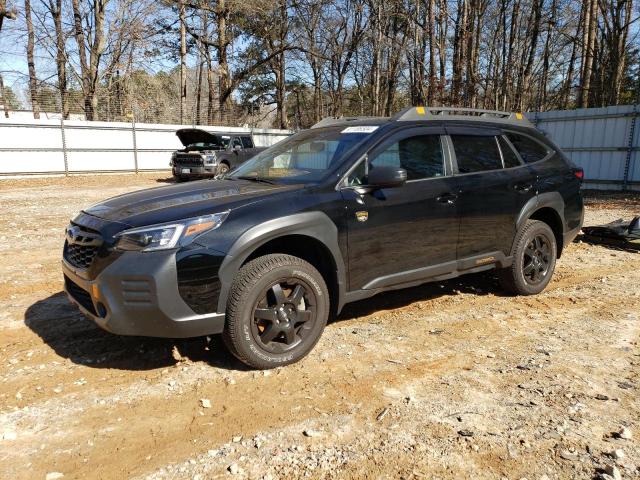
pixel 80 295
pixel 187 160
pixel 81 246
pixel 79 256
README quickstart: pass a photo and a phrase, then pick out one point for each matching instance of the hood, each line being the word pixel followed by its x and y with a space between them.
pixel 189 136
pixel 185 200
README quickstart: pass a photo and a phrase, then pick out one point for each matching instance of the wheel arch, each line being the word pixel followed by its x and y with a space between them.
pixel 311 236
pixel 548 208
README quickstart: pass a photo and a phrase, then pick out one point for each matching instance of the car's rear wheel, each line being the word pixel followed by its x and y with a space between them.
pixel 277 309
pixel 534 259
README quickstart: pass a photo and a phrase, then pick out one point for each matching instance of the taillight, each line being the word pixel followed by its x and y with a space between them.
pixel 579 173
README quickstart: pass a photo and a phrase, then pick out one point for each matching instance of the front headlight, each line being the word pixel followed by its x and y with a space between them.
pixel 168 236
pixel 209 156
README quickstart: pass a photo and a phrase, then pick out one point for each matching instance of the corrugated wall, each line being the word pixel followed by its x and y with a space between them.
pixel 605 142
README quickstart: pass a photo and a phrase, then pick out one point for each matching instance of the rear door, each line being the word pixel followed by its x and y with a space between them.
pixel 492 187
pixel 395 235
pixel 248 146
pixel 238 153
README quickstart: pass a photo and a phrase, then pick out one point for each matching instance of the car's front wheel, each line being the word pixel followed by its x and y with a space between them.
pixel 277 309
pixel 534 259
pixel 221 170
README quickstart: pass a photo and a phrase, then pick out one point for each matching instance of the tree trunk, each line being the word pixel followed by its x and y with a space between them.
pixel 588 42
pixel 61 57
pixel 183 61
pixel 224 77
pixel 33 82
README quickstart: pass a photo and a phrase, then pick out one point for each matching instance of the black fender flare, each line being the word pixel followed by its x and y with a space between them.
pixel 316 225
pixel 551 200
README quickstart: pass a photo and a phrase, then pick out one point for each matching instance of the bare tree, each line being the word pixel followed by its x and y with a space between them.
pixel 33 81
pixel 6 13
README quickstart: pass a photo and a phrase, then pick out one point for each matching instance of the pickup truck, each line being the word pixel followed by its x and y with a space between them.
pixel 207 154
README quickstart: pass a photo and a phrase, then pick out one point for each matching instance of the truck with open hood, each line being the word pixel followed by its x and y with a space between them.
pixel 207 154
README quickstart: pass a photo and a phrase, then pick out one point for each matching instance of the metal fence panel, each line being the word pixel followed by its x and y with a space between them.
pixel 54 146
pixel 603 141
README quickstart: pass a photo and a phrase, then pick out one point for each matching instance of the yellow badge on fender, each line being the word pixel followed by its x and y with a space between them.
pixel 362 215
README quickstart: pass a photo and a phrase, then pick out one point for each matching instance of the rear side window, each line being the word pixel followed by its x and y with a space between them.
pixel 508 155
pixel 247 142
pixel 476 153
pixel 530 150
pixel 421 156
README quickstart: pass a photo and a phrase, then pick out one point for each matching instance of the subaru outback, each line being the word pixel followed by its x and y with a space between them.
pixel 340 212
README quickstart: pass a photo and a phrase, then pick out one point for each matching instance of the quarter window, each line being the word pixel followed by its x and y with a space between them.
pixel 508 155
pixel 530 150
pixel 476 153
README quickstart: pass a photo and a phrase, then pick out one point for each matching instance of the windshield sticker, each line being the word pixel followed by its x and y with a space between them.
pixel 362 129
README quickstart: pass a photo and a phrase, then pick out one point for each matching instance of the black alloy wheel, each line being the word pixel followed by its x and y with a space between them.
pixel 537 260
pixel 284 316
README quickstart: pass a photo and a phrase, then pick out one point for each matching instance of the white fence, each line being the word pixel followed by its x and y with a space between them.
pixel 605 142
pixel 52 147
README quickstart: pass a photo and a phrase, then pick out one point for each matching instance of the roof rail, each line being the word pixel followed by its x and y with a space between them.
pixel 328 121
pixel 433 113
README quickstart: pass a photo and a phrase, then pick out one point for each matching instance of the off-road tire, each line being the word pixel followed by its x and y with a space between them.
pixel 246 291
pixel 513 279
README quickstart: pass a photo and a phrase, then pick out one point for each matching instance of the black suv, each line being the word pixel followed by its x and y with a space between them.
pixel 331 215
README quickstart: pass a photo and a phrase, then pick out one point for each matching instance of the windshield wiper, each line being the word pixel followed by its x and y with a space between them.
pixel 256 179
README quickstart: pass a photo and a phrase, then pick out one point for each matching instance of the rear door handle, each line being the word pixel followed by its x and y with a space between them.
pixel 522 187
pixel 447 198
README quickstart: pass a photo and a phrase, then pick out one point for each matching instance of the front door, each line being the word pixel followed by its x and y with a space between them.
pixel 395 235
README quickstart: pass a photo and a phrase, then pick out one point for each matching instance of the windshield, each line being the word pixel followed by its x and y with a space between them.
pixel 203 146
pixel 305 157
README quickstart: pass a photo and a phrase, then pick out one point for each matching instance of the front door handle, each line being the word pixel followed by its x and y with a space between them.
pixel 522 187
pixel 447 198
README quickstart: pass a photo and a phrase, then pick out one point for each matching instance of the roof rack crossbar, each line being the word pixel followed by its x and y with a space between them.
pixel 328 121
pixel 433 113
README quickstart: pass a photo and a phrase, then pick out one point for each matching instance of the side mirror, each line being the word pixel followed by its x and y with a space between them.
pixel 386 177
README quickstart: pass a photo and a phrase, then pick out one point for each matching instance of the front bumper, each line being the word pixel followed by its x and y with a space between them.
pixel 204 171
pixel 137 294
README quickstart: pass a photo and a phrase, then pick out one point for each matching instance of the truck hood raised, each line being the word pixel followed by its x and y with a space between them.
pixel 186 200
pixel 189 136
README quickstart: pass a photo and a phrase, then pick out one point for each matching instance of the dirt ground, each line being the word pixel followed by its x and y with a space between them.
pixel 446 380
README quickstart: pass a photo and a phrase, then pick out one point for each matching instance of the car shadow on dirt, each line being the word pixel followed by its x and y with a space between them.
pixel 71 335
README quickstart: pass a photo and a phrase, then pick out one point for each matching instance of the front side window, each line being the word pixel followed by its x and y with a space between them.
pixel 307 156
pixel 235 142
pixel 421 156
pixel 476 153
pixel 530 150
pixel 247 142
